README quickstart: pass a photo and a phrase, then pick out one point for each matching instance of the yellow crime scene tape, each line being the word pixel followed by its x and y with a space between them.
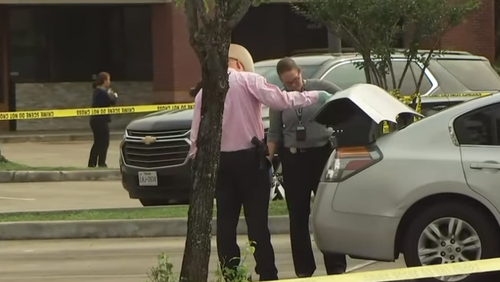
pixel 410 99
pixel 83 112
pixel 410 273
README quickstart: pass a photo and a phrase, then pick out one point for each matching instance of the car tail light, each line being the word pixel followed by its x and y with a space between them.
pixel 347 161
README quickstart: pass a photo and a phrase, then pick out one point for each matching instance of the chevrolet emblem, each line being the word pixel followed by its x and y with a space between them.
pixel 148 140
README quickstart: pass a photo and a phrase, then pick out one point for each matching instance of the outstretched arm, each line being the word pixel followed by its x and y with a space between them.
pixel 273 97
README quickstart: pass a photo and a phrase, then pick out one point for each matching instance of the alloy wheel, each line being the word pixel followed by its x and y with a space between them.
pixel 449 240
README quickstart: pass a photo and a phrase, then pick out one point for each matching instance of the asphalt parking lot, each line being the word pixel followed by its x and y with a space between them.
pixel 125 260
pixel 64 195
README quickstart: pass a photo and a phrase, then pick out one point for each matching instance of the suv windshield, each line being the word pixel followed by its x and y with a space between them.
pixel 485 79
pixel 269 72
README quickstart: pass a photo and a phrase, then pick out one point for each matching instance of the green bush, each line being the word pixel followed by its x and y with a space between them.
pixel 163 272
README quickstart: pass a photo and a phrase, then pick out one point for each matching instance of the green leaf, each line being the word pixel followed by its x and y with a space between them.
pixel 256 3
pixel 179 3
pixel 371 27
pixel 205 4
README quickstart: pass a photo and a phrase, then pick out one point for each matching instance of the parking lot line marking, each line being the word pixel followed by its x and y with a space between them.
pixel 361 265
pixel 18 199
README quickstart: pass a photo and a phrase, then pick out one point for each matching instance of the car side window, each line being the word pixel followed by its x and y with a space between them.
pixel 410 80
pixel 346 75
pixel 479 127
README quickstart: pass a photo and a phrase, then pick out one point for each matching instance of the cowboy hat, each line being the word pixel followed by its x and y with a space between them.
pixel 241 54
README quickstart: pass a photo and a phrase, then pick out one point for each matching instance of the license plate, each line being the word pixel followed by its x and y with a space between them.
pixel 148 178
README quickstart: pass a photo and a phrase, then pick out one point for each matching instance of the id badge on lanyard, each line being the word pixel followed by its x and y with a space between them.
pixel 300 131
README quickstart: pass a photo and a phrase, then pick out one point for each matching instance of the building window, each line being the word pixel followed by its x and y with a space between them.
pixel 74 42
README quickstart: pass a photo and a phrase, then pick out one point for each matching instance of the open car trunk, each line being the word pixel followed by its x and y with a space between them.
pixel 356 114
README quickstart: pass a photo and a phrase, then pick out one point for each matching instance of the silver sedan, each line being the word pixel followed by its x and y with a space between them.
pixel 430 191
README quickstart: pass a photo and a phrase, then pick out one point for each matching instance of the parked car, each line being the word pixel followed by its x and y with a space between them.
pixel 157 172
pixel 428 191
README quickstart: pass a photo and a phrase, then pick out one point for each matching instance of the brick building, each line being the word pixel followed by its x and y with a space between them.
pixel 49 52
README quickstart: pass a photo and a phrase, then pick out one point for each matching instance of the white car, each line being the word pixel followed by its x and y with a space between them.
pixel 430 191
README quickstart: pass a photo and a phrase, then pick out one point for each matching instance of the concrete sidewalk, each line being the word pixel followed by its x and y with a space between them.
pixel 57 154
pixel 52 136
pixel 61 159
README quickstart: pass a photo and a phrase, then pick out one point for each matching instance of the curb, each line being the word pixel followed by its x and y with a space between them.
pixel 54 137
pixel 55 176
pixel 37 230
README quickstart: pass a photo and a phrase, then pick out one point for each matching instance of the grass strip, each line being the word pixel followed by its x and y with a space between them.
pixel 275 208
pixel 12 166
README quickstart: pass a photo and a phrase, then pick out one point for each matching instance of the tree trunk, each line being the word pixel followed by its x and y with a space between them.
pixel 215 85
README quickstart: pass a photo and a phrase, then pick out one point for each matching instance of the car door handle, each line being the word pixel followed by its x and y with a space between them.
pixel 485 166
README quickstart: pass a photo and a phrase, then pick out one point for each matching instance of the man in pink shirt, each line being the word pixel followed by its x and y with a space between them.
pixel 242 181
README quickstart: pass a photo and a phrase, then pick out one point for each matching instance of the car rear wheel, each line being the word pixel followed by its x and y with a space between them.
pixel 448 233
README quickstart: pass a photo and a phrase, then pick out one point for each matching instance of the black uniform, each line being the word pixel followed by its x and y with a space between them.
pixel 243 181
pixel 305 149
pixel 100 128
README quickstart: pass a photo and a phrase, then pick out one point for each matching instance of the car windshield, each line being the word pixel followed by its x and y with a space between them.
pixel 269 72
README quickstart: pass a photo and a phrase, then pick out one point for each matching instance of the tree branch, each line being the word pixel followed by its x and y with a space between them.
pixel 193 26
pixel 236 11
pixel 202 8
pixel 192 19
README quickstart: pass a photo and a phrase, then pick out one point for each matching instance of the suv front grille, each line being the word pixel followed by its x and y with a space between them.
pixel 168 148
pixel 159 154
pixel 162 134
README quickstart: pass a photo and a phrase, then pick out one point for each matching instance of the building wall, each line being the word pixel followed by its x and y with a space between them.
pixel 42 96
pixel 176 68
pixel 121 45
pixel 476 34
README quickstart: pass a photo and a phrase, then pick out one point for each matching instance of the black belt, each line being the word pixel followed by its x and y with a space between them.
pixel 252 150
pixel 294 150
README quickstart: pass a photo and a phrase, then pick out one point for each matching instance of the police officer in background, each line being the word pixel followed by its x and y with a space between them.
pixel 242 179
pixel 102 97
pixel 305 149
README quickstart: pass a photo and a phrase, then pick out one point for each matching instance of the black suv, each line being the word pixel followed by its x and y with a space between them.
pixel 154 164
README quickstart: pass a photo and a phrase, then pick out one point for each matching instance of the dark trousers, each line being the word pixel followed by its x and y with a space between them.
pixel 99 151
pixel 301 175
pixel 242 182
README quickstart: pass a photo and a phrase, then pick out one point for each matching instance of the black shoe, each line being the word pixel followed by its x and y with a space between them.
pixel 103 166
pixel 303 275
pixel 336 271
pixel 268 278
